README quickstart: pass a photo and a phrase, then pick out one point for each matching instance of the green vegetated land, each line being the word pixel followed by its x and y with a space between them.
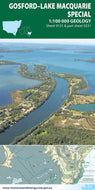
pixel 25 101
pixel 69 161
pixel 65 126
pixel 3 62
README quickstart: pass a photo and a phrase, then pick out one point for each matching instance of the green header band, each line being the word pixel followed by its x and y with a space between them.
pixel 47 19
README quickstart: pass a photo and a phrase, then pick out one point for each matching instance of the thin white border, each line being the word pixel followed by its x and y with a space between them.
pixel 51 41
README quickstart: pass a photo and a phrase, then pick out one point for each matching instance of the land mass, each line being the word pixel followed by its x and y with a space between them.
pixel 3 50
pixel 86 60
pixel 70 161
pixel 25 101
pixel 8 157
pixel 85 51
pixel 65 126
pixel 3 62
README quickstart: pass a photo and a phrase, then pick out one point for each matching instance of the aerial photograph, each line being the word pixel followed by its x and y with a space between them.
pixel 47 92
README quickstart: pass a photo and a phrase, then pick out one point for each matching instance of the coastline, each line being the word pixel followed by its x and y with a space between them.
pixel 75 83
pixel 23 71
pixel 80 83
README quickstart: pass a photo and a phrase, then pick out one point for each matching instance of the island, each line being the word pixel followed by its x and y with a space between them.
pixel 7 50
pixel 86 60
pixel 85 51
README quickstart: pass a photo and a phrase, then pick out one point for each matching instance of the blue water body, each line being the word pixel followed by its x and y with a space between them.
pixel 52 104
pixel 59 61
pixel 83 107
pixel 10 80
pixel 30 164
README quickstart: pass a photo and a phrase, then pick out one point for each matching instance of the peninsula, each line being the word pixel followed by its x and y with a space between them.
pixel 65 126
pixel 26 100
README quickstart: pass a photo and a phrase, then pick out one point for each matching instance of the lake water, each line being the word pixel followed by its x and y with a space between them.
pixel 59 61
pixel 10 80
pixel 52 104
pixel 83 107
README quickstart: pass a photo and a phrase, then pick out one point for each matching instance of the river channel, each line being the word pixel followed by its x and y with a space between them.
pixel 35 117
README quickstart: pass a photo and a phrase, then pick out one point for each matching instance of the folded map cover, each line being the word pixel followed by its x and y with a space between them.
pixel 47 95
